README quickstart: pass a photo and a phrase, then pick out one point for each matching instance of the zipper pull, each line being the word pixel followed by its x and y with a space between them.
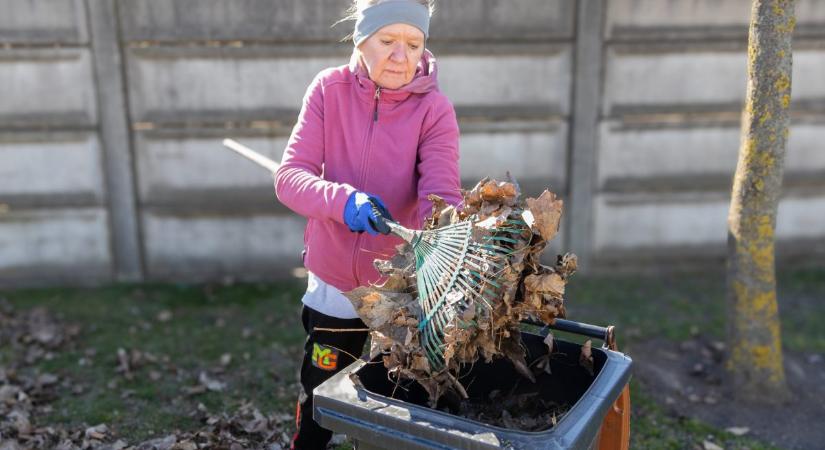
pixel 375 112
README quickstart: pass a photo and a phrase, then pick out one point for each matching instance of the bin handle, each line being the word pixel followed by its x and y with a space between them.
pixel 606 334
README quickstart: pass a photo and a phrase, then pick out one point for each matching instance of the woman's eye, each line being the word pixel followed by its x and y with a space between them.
pixel 414 47
pixel 386 42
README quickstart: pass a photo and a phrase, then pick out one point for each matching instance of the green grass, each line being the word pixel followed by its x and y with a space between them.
pixel 650 306
pixel 193 339
pixel 652 428
pixel 676 306
pixel 208 321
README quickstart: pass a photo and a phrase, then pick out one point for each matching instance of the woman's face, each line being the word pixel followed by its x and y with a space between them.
pixel 392 53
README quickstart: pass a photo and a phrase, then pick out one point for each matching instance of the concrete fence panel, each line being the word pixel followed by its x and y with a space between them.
pixel 657 20
pixel 224 86
pixel 47 87
pixel 203 245
pixel 657 82
pixel 673 226
pixel 43 21
pixel 187 170
pixel 537 81
pixel 697 157
pixel 69 245
pixel 532 155
pixel 34 168
pixel 311 20
pixel 113 111
pixel 245 20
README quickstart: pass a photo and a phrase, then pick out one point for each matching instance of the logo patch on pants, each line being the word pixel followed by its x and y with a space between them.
pixel 323 357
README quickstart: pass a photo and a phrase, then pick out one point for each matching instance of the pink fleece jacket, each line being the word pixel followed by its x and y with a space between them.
pixel 400 145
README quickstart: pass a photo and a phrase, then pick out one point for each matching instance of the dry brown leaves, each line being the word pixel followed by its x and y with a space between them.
pixel 29 336
pixel 488 327
pixel 34 334
pixel 542 363
pixel 25 394
pixel 586 357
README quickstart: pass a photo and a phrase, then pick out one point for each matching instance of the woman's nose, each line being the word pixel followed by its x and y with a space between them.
pixel 398 54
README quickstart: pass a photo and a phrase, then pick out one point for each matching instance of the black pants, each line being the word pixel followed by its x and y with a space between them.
pixel 325 354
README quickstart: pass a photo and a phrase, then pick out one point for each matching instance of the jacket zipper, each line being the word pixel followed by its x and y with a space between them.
pixel 363 177
pixel 375 113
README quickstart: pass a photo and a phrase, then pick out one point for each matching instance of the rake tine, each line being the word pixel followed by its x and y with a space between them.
pixel 484 279
pixel 455 272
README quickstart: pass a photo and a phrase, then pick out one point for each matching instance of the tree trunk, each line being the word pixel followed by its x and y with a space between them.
pixel 755 358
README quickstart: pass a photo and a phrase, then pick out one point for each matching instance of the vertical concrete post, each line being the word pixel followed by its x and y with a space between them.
pixel 582 159
pixel 116 139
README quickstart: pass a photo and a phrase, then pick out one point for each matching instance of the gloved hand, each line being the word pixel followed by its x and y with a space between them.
pixel 365 212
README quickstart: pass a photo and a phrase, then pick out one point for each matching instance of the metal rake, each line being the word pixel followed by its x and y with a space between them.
pixel 453 271
pixel 452 268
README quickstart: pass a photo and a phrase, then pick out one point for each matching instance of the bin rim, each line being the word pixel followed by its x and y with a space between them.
pixel 611 355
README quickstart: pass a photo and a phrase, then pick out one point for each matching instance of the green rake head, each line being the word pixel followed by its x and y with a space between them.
pixel 455 272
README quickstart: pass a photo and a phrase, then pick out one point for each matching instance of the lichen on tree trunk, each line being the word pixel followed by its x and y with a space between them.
pixel 755 358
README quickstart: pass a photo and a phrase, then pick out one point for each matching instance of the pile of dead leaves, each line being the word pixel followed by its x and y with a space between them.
pixel 27 336
pixel 34 334
pixel 245 428
pixel 485 327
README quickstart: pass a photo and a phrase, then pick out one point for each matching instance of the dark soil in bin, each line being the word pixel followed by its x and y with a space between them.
pixel 498 395
pixel 526 411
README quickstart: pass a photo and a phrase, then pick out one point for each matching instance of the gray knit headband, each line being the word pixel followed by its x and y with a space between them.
pixel 375 17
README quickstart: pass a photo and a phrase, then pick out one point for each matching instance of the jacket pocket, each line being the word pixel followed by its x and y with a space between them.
pixel 307 231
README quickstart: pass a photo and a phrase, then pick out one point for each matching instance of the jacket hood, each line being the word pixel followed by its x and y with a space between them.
pixel 424 80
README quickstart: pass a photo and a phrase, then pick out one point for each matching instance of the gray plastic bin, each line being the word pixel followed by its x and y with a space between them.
pixel 373 419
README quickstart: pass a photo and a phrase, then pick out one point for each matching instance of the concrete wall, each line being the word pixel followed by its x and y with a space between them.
pixel 54 220
pixel 112 114
pixel 673 88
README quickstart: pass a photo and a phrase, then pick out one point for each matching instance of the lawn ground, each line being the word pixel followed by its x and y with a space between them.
pixel 246 340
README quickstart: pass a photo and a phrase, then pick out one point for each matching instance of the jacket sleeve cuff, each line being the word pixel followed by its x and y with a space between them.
pixel 340 202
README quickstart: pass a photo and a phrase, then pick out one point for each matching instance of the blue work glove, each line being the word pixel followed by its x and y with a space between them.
pixel 364 212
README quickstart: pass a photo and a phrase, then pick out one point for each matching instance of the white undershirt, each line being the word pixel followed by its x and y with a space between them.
pixel 327 299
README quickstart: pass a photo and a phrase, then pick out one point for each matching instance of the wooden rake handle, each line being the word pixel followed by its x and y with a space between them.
pixel 267 163
pixel 251 155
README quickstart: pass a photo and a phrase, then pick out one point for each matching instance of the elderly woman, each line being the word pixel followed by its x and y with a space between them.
pixel 374 131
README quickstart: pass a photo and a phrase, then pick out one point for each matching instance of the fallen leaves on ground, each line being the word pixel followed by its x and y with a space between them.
pixel 703 359
pixel 34 334
pixel 738 431
pixel 708 445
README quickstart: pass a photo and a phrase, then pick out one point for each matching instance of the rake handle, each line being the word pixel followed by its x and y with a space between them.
pixel 585 329
pixel 267 163
pixel 251 155
pixel 395 227
pixel 401 231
